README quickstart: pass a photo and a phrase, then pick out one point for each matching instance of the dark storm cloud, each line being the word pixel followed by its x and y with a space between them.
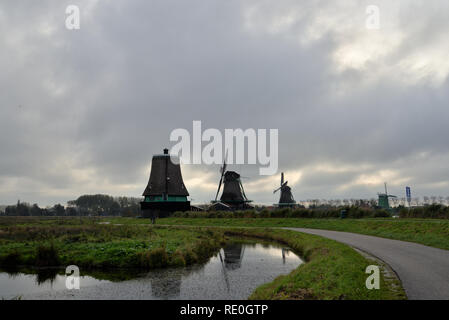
pixel 83 111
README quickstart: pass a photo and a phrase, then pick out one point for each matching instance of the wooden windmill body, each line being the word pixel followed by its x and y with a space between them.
pixel 165 192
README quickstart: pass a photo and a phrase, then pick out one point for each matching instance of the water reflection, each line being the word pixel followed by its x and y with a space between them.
pixel 167 286
pixel 41 276
pixel 15 283
pixel 46 275
pixel 233 273
pixel 233 255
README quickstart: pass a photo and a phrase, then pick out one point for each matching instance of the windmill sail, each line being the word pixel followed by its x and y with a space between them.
pixel 222 171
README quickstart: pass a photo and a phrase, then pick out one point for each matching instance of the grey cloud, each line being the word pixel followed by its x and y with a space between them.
pixel 97 103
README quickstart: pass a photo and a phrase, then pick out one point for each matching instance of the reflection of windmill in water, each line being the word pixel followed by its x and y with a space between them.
pixel 233 196
pixel 286 200
pixel 231 259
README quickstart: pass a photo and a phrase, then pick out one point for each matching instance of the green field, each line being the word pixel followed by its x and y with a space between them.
pixel 54 242
pixel 332 270
pixel 430 232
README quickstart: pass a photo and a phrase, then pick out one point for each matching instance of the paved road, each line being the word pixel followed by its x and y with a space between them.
pixel 424 271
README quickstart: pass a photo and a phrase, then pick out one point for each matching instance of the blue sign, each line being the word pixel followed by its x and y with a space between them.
pixel 408 192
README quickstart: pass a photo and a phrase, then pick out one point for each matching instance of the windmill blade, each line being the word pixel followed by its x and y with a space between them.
pixel 219 187
pixel 242 253
pixel 223 170
pixel 282 178
pixel 224 271
pixel 280 188
pixel 224 162
pixel 243 190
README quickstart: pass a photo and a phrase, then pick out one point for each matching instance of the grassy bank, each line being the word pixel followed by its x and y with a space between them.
pixel 95 246
pixel 332 271
pixel 434 233
pixel 434 211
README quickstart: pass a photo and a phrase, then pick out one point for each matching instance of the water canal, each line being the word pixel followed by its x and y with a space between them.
pixel 234 273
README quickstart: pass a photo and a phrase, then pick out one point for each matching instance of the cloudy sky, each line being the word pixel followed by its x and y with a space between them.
pixel 83 111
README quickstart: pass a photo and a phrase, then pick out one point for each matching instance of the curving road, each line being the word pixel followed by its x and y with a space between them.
pixel 424 271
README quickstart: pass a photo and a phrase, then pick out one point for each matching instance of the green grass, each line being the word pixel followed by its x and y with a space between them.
pixel 430 232
pixel 332 271
pixel 105 246
pixel 48 221
pixel 434 233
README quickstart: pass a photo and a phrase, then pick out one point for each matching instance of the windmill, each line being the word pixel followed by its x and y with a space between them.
pixel 384 202
pixel 286 199
pixel 165 192
pixel 233 196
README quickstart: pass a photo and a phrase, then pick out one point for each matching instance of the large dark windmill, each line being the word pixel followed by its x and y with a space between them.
pixel 233 196
pixel 286 199
pixel 165 192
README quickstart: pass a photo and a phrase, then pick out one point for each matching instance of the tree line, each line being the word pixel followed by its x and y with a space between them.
pixel 104 205
pixel 394 202
pixel 86 205
pixel 433 211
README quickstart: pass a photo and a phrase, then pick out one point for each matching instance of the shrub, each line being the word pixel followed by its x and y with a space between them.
pixel 47 256
pixel 178 259
pixel 155 258
pixel 434 211
pixel 190 256
pixel 381 214
pixel 11 260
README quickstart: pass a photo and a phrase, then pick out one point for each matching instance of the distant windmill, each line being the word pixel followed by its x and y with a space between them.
pixel 384 202
pixel 233 196
pixel 286 199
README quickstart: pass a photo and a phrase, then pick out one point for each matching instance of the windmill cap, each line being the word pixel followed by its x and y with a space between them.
pixel 165 151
